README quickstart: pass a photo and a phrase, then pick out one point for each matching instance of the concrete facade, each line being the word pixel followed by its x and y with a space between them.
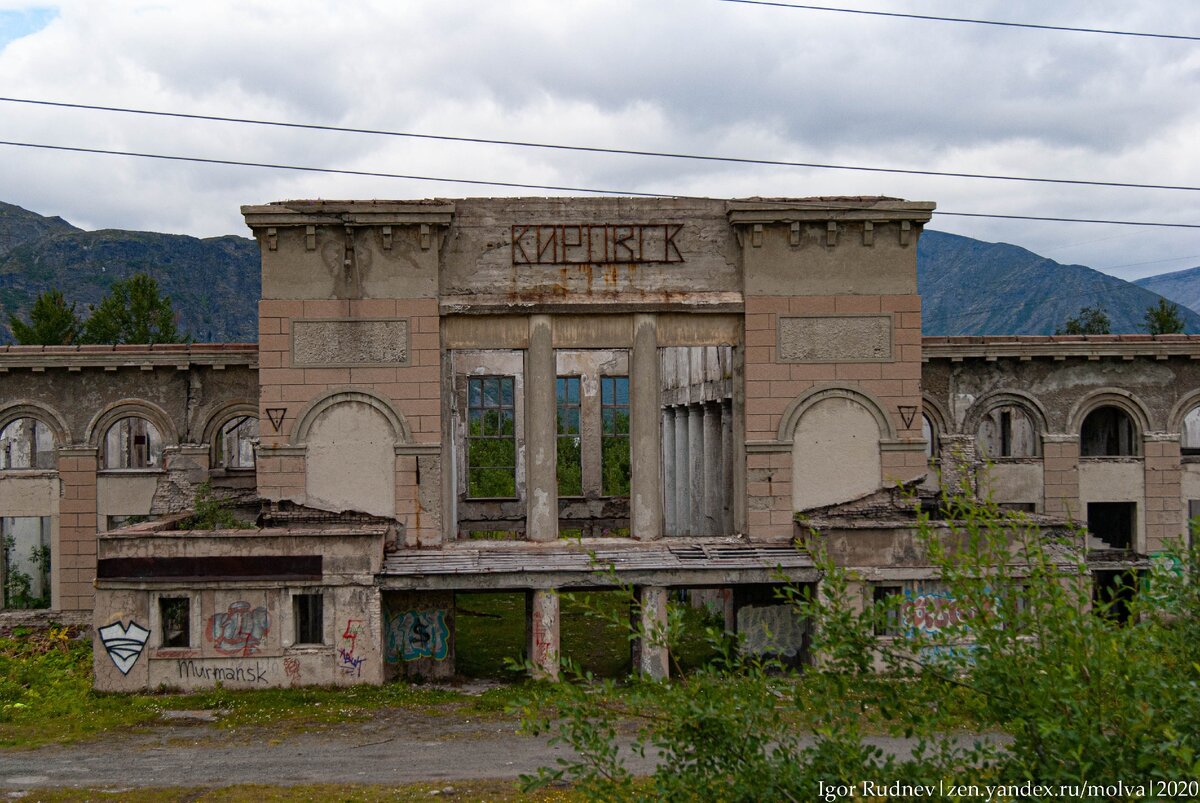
pixel 534 394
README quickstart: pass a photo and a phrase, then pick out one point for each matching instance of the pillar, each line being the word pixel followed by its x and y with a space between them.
pixel 542 622
pixel 653 657
pixel 670 525
pixel 683 509
pixel 541 430
pixel 727 467
pixel 73 555
pixel 714 490
pixel 645 447
pixel 1060 465
pixel 695 499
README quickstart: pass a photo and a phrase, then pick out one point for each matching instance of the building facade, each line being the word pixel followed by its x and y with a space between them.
pixel 535 394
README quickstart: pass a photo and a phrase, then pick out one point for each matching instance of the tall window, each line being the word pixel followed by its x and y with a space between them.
pixel 235 443
pixel 26 443
pixel 1007 431
pixel 614 435
pixel 132 442
pixel 570 452
pixel 175 614
pixel 25 562
pixel 308 614
pixel 1107 432
pixel 491 437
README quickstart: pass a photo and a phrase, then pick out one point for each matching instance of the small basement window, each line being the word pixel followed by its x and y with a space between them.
pixel 176 616
pixel 886 599
pixel 308 612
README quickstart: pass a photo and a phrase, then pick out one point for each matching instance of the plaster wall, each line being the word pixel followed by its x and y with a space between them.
pixel 350 461
pixel 25 493
pixel 835 454
pixel 124 494
pixel 1013 482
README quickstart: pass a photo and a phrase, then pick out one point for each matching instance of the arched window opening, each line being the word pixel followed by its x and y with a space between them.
pixel 1191 432
pixel 1007 431
pixel 26 443
pixel 132 442
pixel 930 434
pixel 235 441
pixel 1107 432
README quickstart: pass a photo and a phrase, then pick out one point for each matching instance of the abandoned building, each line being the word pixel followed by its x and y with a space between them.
pixel 542 394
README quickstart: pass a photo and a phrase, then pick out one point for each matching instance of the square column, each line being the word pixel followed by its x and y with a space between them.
pixel 670 522
pixel 651 655
pixel 541 433
pixel 73 567
pixel 683 507
pixel 646 497
pixel 542 622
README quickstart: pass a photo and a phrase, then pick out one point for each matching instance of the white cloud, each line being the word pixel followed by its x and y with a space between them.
pixel 677 75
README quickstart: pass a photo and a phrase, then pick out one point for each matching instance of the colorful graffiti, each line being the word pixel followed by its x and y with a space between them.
pixel 931 611
pixel 240 630
pixel 124 643
pixel 347 659
pixel 412 635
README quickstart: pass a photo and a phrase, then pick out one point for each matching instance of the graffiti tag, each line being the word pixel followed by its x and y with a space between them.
pixel 240 630
pixel 931 611
pixel 291 667
pixel 347 661
pixel 124 643
pixel 418 634
pixel 197 670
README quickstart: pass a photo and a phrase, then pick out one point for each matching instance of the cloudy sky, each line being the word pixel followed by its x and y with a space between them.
pixel 688 76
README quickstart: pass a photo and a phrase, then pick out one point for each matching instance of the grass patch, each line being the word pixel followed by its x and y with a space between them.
pixel 502 791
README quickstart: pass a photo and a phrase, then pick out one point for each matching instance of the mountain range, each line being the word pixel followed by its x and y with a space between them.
pixel 968 286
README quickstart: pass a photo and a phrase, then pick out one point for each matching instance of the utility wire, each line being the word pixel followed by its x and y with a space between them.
pixel 552 187
pixel 591 149
pixel 931 17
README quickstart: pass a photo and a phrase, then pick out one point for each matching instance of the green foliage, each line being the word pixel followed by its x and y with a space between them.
pixel 52 322
pixel 132 312
pixel 491 455
pixel 18 584
pixel 211 513
pixel 1088 321
pixel 1164 319
pixel 1082 698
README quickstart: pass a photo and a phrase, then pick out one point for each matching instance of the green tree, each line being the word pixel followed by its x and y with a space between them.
pixel 1088 321
pixel 1164 319
pixel 52 322
pixel 132 312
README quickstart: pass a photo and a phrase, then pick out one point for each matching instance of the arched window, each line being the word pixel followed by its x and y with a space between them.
pixel 132 442
pixel 1006 431
pixel 1190 440
pixel 930 434
pixel 233 446
pixel 26 443
pixel 1107 432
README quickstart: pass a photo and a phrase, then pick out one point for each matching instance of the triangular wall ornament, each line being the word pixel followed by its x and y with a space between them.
pixel 275 415
pixel 907 413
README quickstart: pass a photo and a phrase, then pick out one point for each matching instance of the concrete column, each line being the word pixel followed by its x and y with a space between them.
pixel 670 525
pixel 683 508
pixel 696 468
pixel 713 481
pixel 645 441
pixel 73 552
pixel 542 633
pixel 541 487
pixel 727 467
pixel 653 657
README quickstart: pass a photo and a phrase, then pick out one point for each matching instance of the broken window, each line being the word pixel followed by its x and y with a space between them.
pixel 491 437
pixel 1113 593
pixel 308 614
pixel 1006 431
pixel 26 444
pixel 234 446
pixel 887 599
pixel 1190 437
pixel 1107 432
pixel 614 438
pixel 175 616
pixel 132 442
pixel 25 561
pixel 570 448
pixel 1113 524
pixel 696 400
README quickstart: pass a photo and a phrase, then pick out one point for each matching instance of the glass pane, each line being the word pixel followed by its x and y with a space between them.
pixel 506 391
pixel 615 466
pixel 491 392
pixel 570 472
pixel 474 393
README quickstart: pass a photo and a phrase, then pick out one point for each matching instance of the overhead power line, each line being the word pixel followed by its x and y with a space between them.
pixel 531 186
pixel 599 150
pixel 933 18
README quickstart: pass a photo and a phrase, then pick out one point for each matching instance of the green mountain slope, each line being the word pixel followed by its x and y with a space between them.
pixel 971 287
pixel 1181 286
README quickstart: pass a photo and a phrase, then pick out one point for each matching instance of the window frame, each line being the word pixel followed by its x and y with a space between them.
pixel 469 439
pixel 614 438
pixel 303 603
pixel 164 602
pixel 153 434
pixel 564 405
pixel 40 428
pixel 218 450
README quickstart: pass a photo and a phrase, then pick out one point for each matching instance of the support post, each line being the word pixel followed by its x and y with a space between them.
pixel 683 509
pixel 646 497
pixel 541 430
pixel 653 657
pixel 542 633
pixel 695 500
pixel 670 523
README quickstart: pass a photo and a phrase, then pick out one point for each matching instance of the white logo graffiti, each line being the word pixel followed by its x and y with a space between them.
pixel 124 643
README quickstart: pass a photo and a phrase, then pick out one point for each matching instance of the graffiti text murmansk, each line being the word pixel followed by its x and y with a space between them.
pixel 225 674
